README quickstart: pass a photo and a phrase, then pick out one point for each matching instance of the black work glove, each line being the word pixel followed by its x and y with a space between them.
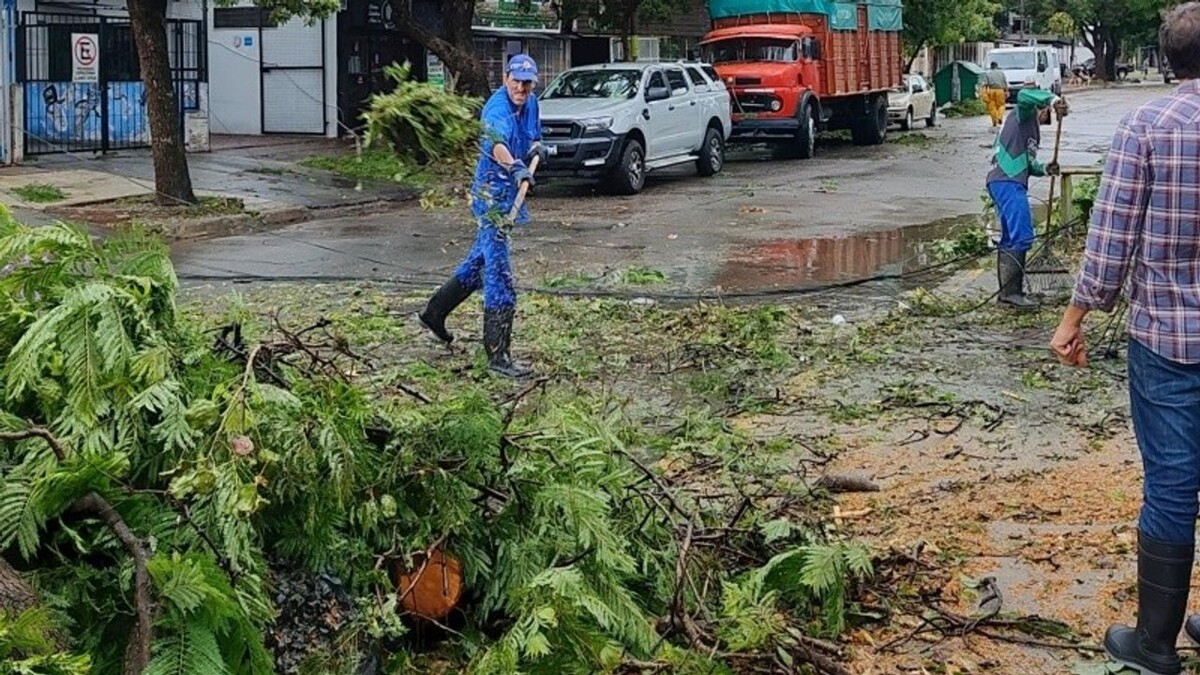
pixel 520 173
pixel 538 151
pixel 1053 169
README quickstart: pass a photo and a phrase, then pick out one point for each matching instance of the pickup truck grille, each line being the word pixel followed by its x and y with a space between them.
pixel 747 80
pixel 752 103
pixel 559 130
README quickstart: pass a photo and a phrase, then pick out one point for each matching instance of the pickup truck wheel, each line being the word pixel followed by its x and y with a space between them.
pixel 712 153
pixel 907 124
pixel 629 175
pixel 871 128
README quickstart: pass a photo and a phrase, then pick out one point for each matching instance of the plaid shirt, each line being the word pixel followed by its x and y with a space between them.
pixel 1148 213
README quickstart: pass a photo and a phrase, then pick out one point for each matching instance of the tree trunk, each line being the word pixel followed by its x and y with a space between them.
pixel 148 19
pixel 16 595
pixel 912 59
pixel 457 49
pixel 1103 47
pixel 1110 58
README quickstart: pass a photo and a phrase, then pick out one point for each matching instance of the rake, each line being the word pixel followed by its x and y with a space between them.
pixel 1046 272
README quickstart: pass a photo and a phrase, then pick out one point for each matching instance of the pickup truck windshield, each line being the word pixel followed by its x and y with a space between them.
pixel 752 49
pixel 1014 60
pixel 619 84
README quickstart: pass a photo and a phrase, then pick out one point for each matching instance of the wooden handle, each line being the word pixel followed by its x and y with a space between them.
pixel 512 215
pixel 1050 203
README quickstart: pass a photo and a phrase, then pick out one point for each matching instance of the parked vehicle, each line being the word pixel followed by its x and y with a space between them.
pixel 616 121
pixel 795 67
pixel 1123 68
pixel 911 101
pixel 1037 63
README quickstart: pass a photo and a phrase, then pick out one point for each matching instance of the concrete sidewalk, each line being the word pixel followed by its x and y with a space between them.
pixel 263 171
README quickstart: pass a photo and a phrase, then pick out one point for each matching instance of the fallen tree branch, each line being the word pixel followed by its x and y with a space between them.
pixel 36 432
pixel 137 648
pixel 838 483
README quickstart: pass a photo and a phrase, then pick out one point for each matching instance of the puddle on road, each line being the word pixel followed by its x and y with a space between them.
pixel 800 263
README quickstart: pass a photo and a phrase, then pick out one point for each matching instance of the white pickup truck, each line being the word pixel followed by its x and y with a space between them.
pixel 617 121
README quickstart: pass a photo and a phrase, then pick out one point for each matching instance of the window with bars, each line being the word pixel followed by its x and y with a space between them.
pixel 551 55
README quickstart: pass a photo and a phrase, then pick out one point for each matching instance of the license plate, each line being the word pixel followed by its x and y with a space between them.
pixel 749 116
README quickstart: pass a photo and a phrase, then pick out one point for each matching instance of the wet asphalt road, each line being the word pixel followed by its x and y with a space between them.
pixel 760 224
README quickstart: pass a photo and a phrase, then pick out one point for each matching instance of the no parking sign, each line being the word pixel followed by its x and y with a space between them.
pixel 85 57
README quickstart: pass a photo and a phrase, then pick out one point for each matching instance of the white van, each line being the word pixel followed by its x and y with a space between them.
pixel 1037 63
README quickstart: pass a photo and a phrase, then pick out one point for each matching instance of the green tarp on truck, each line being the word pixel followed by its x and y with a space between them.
pixel 720 9
pixel 881 14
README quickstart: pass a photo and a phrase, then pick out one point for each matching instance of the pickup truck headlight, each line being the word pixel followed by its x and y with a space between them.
pixel 591 124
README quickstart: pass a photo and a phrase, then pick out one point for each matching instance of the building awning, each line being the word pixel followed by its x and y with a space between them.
pixel 519 33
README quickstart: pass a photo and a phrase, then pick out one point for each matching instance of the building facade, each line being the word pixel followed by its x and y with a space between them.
pixel 271 77
pixel 72 81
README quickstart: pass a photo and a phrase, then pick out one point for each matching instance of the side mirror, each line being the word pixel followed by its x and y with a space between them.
pixel 1041 68
pixel 657 94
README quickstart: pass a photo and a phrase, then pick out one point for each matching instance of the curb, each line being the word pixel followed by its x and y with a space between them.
pixel 214 227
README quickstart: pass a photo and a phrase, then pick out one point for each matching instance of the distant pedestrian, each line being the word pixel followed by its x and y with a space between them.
pixel 1146 223
pixel 995 93
pixel 512 135
pixel 1014 160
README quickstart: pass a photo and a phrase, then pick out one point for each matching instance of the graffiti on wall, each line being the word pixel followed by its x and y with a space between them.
pixel 70 113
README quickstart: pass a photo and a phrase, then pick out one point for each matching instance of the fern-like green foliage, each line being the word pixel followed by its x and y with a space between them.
pixel 820 574
pixel 204 628
pixel 420 121
pixel 219 468
pixel 27 647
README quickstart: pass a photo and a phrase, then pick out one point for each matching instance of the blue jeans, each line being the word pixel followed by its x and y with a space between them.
pixel 1164 397
pixel 1016 218
pixel 487 266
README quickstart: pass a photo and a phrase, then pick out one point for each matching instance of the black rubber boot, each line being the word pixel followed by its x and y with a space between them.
pixel 445 300
pixel 1010 267
pixel 1192 628
pixel 1164 578
pixel 497 334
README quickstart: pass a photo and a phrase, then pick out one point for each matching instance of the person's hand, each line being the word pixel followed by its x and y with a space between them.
pixel 1068 344
pixel 521 174
pixel 538 151
pixel 1061 108
pixel 1053 169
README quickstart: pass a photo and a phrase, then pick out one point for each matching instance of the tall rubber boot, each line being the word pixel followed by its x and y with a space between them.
pixel 1164 578
pixel 497 334
pixel 445 300
pixel 1010 267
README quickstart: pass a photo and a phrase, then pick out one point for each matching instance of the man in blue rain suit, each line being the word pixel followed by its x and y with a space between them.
pixel 511 138
pixel 1014 160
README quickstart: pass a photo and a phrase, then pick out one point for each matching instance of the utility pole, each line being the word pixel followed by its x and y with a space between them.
pixel 1023 20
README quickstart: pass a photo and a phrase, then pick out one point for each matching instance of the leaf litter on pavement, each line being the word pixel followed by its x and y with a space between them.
pixel 996 468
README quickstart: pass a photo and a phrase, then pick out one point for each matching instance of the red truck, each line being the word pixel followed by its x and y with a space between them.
pixel 795 67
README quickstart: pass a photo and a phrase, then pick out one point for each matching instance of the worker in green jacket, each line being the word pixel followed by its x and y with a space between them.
pixel 1014 160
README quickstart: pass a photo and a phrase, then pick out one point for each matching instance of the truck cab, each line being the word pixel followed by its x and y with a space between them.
pixel 770 70
pixel 795 67
pixel 1020 64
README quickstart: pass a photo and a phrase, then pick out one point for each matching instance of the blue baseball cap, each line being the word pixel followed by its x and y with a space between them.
pixel 522 67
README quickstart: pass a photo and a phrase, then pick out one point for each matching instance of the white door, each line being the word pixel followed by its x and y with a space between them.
pixel 293 78
pixel 658 126
pixel 923 99
pixel 684 112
